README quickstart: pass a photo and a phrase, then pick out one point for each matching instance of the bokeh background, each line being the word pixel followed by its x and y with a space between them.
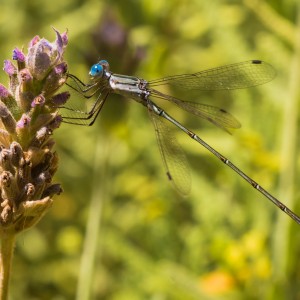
pixel 119 231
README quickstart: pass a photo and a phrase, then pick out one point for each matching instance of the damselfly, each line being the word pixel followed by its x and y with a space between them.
pixel 235 76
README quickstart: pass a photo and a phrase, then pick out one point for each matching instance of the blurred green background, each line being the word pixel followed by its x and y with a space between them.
pixel 119 231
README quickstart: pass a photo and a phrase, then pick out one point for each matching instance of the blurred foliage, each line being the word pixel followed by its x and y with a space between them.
pixel 224 241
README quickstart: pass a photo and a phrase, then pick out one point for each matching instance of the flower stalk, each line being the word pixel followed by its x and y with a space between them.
pixel 6 254
pixel 28 116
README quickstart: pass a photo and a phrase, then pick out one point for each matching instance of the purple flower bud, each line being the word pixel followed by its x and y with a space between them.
pixel 6 179
pixel 54 189
pixel 25 78
pixel 24 91
pixel 60 99
pixel 4 93
pixel 43 55
pixel 9 68
pixel 16 153
pixel 34 41
pixel 9 190
pixel 56 122
pixel 58 44
pixel 6 97
pixel 39 59
pixel 38 101
pixel 7 119
pixel 64 37
pixel 18 55
pixel 5 160
pixel 24 122
pixel 61 68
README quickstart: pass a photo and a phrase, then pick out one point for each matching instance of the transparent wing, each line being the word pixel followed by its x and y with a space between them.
pixel 215 115
pixel 173 157
pixel 235 76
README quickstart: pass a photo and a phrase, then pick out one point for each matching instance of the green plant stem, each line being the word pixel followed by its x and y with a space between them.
pixel 91 242
pixel 284 242
pixel 6 255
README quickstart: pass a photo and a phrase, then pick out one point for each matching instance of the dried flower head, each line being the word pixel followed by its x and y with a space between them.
pixel 28 116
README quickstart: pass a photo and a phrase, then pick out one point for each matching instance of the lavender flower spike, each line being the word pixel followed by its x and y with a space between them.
pixel 28 111
pixel 28 116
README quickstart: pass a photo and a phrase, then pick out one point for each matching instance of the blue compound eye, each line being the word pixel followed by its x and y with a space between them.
pixel 96 70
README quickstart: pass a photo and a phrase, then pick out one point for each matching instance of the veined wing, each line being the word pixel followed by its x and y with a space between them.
pixel 215 115
pixel 234 76
pixel 173 157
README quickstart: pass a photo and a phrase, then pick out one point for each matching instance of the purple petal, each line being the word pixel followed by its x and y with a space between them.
pixel 18 55
pixel 58 44
pixel 9 68
pixel 61 68
pixel 4 93
pixel 34 41
pixel 64 37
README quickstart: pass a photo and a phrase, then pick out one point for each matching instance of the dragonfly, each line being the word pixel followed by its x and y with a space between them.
pixel 240 75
